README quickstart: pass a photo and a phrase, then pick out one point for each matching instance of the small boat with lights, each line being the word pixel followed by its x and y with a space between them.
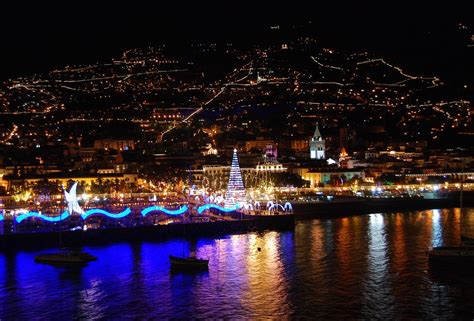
pixel 191 263
pixel 66 257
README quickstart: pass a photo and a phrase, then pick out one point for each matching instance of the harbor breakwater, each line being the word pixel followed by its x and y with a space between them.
pixel 241 223
pixel 356 206
pixel 248 223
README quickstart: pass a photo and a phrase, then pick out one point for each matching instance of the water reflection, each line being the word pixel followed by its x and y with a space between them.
pixel 436 231
pixel 467 222
pixel 88 302
pixel 265 268
pixel 371 266
pixel 351 253
pixel 378 289
pixel 398 246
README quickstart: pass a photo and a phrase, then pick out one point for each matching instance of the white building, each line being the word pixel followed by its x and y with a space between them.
pixel 317 145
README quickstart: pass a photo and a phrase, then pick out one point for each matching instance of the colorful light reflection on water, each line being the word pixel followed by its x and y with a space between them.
pixel 363 267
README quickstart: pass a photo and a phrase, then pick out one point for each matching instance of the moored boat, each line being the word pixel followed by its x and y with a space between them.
pixel 188 262
pixel 69 257
pixel 451 254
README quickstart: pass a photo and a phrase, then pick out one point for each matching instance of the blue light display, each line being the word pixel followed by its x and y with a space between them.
pixel 217 207
pixel 1 217
pixel 102 212
pixel 58 218
pixel 183 209
pixel 179 211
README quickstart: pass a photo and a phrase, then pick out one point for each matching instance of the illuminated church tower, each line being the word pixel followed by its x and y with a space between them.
pixel 317 145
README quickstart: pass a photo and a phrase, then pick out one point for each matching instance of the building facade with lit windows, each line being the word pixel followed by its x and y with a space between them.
pixel 326 176
pixel 117 144
pixel 259 144
pixel 63 180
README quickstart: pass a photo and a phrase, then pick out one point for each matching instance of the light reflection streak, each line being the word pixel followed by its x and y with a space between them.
pixel 266 275
pixel 436 232
pixel 89 300
pixel 378 268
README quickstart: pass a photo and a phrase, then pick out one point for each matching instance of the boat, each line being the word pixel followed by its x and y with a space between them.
pixel 452 255
pixel 191 262
pixel 188 263
pixel 66 257
pixel 467 241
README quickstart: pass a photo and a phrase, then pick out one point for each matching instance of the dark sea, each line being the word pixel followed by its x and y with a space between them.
pixel 361 267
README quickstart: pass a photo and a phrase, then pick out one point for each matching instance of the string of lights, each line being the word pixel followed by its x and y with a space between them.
pixel 235 188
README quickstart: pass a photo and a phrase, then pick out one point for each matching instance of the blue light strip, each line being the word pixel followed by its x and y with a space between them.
pixel 1 217
pixel 58 218
pixel 94 211
pixel 217 207
pixel 179 211
pixel 102 212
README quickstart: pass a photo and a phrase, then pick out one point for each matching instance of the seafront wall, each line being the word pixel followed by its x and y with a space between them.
pixel 241 224
pixel 146 233
pixel 358 206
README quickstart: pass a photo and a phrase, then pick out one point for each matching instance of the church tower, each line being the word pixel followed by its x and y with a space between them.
pixel 317 145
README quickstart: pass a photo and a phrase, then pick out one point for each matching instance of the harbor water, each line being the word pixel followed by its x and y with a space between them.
pixel 358 267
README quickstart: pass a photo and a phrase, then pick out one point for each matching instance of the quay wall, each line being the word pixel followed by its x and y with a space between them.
pixel 146 233
pixel 358 206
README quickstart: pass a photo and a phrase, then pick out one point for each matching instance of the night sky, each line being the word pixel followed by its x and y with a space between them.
pixel 37 37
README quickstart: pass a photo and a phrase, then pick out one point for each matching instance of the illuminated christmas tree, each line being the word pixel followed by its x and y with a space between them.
pixel 235 188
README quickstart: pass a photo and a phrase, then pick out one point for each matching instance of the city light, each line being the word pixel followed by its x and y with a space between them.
pixel 290 172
